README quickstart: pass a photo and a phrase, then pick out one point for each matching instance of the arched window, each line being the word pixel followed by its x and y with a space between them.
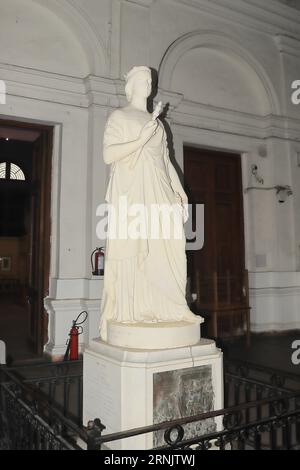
pixel 11 171
pixel 2 170
pixel 16 173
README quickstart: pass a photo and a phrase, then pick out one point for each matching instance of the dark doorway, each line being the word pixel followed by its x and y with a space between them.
pixel 217 271
pixel 25 189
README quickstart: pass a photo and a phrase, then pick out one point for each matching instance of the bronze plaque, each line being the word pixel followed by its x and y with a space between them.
pixel 182 393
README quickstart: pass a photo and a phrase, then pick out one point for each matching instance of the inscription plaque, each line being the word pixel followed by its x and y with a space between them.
pixel 182 393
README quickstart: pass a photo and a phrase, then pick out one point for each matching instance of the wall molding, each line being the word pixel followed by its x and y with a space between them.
pixel 250 14
pixel 288 45
pixel 268 327
pixel 61 314
pixel 274 298
pixel 275 292
pixel 109 94
pixel 274 279
pixel 235 122
pixel 22 82
pixel 142 3
pixel 40 85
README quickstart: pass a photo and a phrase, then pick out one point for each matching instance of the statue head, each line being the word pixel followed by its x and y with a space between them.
pixel 139 82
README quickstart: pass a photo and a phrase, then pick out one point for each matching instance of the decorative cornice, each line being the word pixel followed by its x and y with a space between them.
pixel 253 14
pixel 44 86
pixel 109 93
pixel 280 10
pixel 201 116
pixel 103 91
pixel 60 89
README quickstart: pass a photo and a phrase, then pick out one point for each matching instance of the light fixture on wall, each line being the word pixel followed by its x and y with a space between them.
pixel 282 192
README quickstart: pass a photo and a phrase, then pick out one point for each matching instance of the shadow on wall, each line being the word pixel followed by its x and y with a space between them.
pixel 162 117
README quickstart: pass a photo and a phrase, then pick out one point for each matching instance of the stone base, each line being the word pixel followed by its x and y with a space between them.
pixel 160 335
pixel 134 388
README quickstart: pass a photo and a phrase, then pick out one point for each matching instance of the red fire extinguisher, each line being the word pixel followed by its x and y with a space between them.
pixel 72 343
pixel 97 261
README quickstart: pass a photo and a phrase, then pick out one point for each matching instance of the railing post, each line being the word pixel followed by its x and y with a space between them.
pixel 257 439
pixel 94 431
pixel 273 437
pixel 286 435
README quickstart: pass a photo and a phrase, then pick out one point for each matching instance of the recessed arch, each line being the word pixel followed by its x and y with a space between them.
pixel 91 42
pixel 82 28
pixel 218 42
pixel 53 36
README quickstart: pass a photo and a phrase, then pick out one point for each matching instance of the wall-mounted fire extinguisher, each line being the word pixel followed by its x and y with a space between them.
pixel 72 343
pixel 97 261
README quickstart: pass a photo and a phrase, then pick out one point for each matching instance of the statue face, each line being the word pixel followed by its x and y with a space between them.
pixel 142 85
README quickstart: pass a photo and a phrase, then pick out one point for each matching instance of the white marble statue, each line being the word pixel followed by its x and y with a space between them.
pixel 145 277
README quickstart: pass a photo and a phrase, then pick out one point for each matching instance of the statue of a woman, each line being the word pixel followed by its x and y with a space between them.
pixel 145 277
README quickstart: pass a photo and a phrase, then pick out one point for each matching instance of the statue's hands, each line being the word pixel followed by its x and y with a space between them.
pixel 183 207
pixel 148 131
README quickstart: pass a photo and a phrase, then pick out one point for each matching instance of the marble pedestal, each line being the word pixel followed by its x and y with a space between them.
pixel 129 388
pixel 159 335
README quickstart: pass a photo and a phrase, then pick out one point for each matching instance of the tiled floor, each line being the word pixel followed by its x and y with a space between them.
pixel 14 328
pixel 270 350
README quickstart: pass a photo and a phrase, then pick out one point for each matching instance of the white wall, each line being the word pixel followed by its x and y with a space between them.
pixel 34 37
pixel 226 71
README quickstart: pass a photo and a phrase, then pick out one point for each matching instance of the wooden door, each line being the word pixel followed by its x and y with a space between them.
pixel 214 179
pixel 33 221
pixel 39 239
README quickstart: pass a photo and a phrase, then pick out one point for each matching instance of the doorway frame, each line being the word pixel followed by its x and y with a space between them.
pixel 45 228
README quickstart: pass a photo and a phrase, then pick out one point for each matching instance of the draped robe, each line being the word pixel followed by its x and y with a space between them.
pixel 145 277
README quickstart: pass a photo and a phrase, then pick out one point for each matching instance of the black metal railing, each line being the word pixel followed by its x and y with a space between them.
pixel 41 408
pixel 268 377
pixel 60 383
pixel 262 411
pixel 28 420
pixel 234 430
pixel 22 427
